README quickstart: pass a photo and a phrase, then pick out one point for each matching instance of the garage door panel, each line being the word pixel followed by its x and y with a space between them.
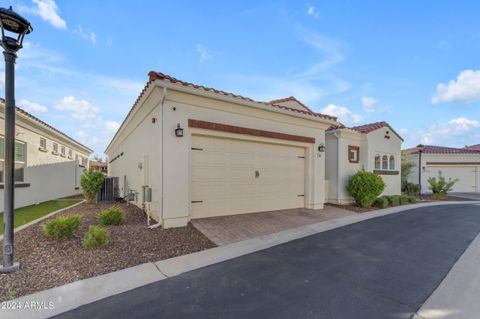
pixel 224 179
pixel 466 176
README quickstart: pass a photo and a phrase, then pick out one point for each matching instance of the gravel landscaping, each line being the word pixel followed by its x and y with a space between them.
pixel 47 263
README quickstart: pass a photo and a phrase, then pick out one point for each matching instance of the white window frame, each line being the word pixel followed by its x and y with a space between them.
pixel 23 162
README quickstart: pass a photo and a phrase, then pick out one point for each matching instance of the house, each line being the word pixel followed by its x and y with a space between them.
pixel 186 151
pixel 37 143
pixel 454 163
pixel 99 166
pixel 373 147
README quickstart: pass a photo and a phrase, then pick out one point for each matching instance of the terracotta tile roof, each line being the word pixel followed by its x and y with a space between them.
pixel 336 127
pixel 291 99
pixel 432 149
pixel 161 76
pixel 473 147
pixel 36 119
pixel 367 128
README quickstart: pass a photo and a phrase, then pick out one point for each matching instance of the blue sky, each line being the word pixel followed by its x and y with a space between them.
pixel 414 64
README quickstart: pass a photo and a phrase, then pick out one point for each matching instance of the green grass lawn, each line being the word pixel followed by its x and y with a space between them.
pixel 27 214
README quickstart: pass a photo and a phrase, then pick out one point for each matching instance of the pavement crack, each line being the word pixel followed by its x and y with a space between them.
pixel 160 271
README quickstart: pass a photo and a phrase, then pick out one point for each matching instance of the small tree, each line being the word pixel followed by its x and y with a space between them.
pixel 406 168
pixel 441 187
pixel 365 187
pixel 91 183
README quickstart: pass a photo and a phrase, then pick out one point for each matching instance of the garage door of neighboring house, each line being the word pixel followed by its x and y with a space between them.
pixel 465 174
pixel 234 177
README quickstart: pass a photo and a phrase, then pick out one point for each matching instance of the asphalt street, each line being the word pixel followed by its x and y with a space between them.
pixel 382 268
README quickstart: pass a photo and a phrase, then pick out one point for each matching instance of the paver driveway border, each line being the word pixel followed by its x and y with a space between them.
pixel 47 303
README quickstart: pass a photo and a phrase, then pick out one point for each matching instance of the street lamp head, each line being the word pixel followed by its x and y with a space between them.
pixel 15 25
pixel 420 147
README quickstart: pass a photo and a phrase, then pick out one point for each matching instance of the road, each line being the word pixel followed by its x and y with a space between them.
pixel 382 268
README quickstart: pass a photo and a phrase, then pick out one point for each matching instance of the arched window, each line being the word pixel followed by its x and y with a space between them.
pixel 392 162
pixel 384 162
pixel 377 161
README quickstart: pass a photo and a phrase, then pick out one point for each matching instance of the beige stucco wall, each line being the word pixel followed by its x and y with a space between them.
pixel 339 168
pixel 29 132
pixel 141 137
pixel 452 158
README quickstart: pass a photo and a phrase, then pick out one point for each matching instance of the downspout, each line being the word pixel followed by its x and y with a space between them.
pixel 162 100
pixel 338 166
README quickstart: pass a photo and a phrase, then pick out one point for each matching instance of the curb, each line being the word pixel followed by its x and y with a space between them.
pixel 33 222
pixel 61 299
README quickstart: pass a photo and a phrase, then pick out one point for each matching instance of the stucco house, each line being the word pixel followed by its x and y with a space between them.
pixel 187 151
pixel 454 163
pixel 37 143
pixel 373 147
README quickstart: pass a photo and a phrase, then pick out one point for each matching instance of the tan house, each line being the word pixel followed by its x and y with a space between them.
pixel 37 143
pixel 186 151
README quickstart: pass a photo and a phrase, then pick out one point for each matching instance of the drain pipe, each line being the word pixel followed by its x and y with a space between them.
pixel 162 112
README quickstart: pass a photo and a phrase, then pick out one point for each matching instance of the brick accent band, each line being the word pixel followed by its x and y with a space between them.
pixel 453 163
pixel 385 172
pixel 248 131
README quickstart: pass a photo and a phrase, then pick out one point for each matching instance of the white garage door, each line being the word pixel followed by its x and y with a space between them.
pixel 234 177
pixel 465 174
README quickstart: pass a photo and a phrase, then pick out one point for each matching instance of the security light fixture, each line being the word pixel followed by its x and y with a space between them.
pixel 321 148
pixel 179 131
pixel 14 27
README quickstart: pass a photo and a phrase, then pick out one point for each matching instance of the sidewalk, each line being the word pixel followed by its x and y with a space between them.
pixel 54 301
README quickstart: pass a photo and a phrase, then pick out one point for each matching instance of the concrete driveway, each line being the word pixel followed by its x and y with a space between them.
pixel 229 229
pixel 468 196
pixel 384 267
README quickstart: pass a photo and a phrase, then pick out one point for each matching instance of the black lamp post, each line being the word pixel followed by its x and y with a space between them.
pixel 420 148
pixel 17 26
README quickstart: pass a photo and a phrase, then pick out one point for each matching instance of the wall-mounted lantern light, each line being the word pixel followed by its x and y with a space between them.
pixel 179 131
pixel 321 148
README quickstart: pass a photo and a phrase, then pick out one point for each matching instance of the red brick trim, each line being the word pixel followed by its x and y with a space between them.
pixel 385 172
pixel 353 148
pixel 453 163
pixel 248 131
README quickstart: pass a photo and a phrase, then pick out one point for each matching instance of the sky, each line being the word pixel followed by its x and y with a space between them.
pixel 414 64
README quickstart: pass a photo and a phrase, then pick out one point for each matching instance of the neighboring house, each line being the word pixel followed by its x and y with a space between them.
pixel 39 147
pixel 454 163
pixel 373 147
pixel 98 166
pixel 187 151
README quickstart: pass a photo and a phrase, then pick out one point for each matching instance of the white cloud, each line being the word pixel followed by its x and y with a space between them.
pixel 203 53
pixel 80 109
pixel 311 11
pixel 85 34
pixel 32 107
pixel 342 113
pixel 48 11
pixel 465 88
pixel 457 132
pixel 85 138
pixel 444 45
pixel 369 104
pixel 111 127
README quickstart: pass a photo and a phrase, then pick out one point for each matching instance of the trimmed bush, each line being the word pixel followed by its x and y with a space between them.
pixel 62 226
pixel 404 200
pixel 365 187
pixel 394 200
pixel 91 182
pixel 412 199
pixel 382 202
pixel 96 237
pixel 441 187
pixel 111 216
pixel 412 189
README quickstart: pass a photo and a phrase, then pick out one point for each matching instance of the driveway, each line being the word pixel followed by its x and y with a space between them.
pixel 467 196
pixel 382 268
pixel 224 230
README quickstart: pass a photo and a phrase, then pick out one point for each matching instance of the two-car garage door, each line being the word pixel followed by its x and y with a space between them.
pixel 235 176
pixel 466 176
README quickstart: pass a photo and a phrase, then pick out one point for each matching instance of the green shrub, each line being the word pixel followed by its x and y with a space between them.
pixel 412 199
pixel 96 237
pixel 91 183
pixel 412 189
pixel 382 202
pixel 404 200
pixel 365 187
pixel 394 200
pixel 111 216
pixel 441 187
pixel 62 226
